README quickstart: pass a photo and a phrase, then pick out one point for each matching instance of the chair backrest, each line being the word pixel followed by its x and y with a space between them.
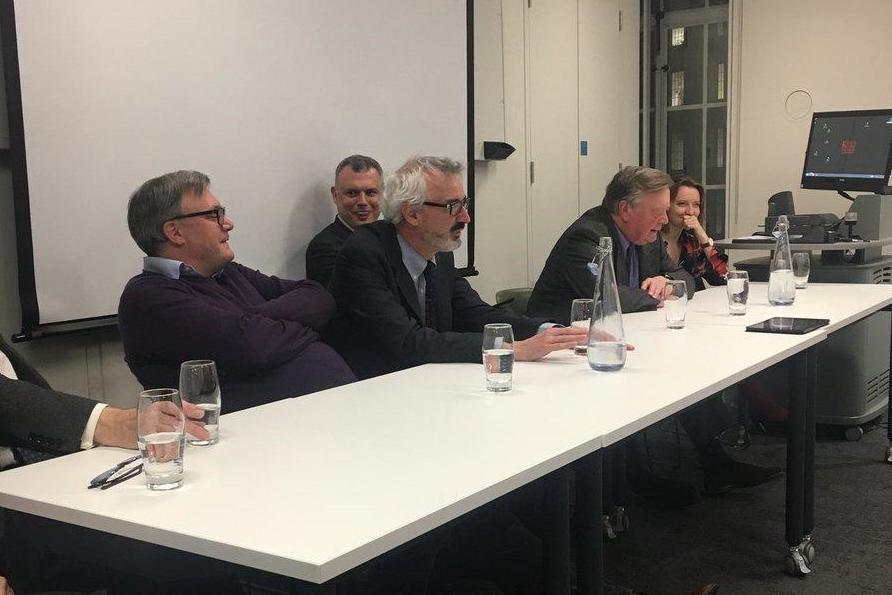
pixel 519 297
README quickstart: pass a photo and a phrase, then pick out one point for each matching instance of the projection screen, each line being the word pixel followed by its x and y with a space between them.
pixel 265 96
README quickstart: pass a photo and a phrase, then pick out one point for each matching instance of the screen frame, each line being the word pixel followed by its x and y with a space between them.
pixel 845 183
pixel 32 325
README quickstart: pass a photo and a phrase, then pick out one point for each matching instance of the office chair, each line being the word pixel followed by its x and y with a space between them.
pixel 515 299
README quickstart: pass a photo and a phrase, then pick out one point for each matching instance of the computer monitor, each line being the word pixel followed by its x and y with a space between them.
pixel 849 151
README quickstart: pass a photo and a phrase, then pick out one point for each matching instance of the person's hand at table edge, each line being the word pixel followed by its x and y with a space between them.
pixel 117 427
pixel 654 286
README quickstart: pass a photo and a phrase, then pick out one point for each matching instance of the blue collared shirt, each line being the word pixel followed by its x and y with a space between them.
pixel 415 263
pixel 172 269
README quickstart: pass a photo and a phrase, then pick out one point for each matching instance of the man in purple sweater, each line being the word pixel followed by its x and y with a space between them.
pixel 193 302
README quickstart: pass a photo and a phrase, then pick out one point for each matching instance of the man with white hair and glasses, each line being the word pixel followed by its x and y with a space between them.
pixel 401 302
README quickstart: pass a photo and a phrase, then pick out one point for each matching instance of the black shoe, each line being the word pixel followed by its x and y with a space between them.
pixel 734 474
pixel 673 493
pixel 721 472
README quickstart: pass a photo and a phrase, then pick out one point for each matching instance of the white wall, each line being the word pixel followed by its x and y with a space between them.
pixel 500 209
pixel 598 82
pixel 836 52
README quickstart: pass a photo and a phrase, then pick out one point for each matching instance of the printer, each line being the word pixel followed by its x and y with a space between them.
pixel 816 228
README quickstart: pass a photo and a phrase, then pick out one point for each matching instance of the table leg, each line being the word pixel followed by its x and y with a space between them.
pixel 590 545
pixel 800 462
pixel 556 538
pixel 811 393
pixel 888 457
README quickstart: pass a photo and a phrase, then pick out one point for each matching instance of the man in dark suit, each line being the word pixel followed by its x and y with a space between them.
pixel 356 192
pixel 37 422
pixel 632 213
pixel 401 302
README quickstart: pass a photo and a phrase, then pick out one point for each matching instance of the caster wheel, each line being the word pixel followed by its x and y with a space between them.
pixel 607 528
pixel 808 550
pixel 854 434
pixel 795 563
pixel 619 520
pixel 889 456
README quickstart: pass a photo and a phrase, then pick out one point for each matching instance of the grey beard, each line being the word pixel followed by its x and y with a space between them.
pixel 443 243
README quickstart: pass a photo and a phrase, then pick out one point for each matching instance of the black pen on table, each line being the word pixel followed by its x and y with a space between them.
pixel 131 473
pixel 105 475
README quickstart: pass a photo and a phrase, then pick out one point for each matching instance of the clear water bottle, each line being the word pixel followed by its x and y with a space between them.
pixel 606 339
pixel 781 283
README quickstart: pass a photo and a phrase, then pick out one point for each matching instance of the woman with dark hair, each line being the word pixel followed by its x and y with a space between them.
pixel 686 241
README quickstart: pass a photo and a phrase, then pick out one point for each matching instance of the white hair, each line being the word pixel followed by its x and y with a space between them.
pixel 408 184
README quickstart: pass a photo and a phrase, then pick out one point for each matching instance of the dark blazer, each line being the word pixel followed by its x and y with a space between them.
pixel 35 417
pixel 379 327
pixel 323 251
pixel 566 276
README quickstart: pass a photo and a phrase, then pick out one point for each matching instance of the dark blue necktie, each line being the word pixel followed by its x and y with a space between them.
pixel 430 296
pixel 630 266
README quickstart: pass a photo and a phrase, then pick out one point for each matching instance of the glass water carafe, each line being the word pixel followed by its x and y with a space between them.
pixel 606 339
pixel 781 283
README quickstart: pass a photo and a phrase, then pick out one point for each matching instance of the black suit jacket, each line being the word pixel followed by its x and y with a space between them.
pixel 379 327
pixel 35 417
pixel 566 276
pixel 322 252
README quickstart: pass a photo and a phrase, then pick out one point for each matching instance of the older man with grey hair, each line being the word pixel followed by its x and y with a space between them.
pixel 193 302
pixel 401 302
pixel 632 213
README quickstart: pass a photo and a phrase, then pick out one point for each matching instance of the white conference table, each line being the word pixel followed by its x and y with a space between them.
pixel 312 487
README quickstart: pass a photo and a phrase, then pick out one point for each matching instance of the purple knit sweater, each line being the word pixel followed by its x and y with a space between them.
pixel 263 333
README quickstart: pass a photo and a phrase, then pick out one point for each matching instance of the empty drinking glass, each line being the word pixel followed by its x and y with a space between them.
pixel 160 429
pixel 675 303
pixel 581 316
pixel 498 356
pixel 200 386
pixel 801 268
pixel 738 291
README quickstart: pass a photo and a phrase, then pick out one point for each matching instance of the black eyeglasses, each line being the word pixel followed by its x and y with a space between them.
pixel 453 207
pixel 219 214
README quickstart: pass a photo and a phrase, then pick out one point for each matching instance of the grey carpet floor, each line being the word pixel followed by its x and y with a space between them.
pixel 737 539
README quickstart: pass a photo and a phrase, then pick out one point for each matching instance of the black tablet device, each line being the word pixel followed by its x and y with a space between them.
pixel 788 326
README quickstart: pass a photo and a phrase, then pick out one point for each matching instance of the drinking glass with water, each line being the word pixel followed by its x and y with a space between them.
pixel 675 302
pixel 738 291
pixel 160 428
pixel 498 356
pixel 581 316
pixel 801 269
pixel 200 386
